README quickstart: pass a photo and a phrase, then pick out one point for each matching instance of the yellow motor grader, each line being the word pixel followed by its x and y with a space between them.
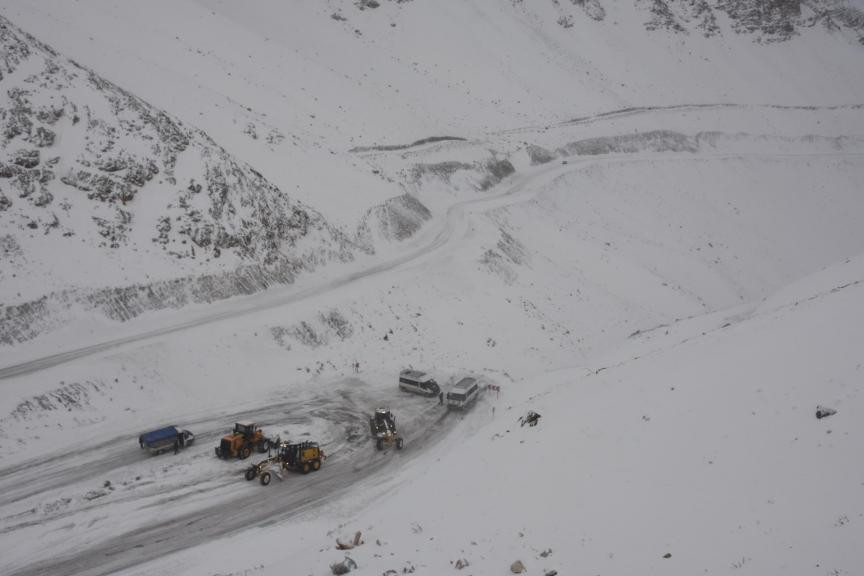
pixel 302 457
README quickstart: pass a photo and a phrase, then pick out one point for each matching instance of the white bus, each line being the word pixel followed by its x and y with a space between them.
pixel 463 394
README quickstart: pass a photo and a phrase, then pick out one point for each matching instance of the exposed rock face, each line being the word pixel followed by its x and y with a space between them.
pixel 496 171
pixel 653 141
pixel 484 174
pixel 662 17
pixel 126 144
pixel 539 155
pixel 592 8
pixel 764 20
pixel 682 16
pixel 771 19
pixel 397 219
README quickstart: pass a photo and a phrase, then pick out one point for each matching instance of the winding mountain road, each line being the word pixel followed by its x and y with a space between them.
pixel 203 498
pixel 442 234
pixel 448 228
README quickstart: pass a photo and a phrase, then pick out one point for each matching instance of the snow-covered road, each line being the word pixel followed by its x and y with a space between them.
pixel 74 492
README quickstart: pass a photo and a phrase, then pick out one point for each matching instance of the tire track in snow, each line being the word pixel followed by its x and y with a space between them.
pixel 233 504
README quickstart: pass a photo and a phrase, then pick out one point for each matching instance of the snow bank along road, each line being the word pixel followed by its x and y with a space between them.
pixel 198 496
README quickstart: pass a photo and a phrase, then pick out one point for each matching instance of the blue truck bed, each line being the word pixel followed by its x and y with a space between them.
pixel 160 436
pixel 165 439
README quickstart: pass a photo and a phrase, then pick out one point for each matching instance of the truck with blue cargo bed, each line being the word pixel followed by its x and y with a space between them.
pixel 165 439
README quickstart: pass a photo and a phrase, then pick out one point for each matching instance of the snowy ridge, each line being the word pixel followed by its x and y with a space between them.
pixel 641 219
pixel 143 185
pixel 86 163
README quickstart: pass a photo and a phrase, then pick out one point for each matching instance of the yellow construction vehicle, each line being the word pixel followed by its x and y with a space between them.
pixel 303 457
pixel 246 437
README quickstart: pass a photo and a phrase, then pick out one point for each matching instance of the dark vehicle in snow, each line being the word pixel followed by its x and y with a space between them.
pixel 383 427
pixel 165 439
pixel 418 383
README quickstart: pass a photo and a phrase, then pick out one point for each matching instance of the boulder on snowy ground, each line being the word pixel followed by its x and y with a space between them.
pixel 517 567
pixel 461 563
pixel 531 418
pixel 824 412
pixel 343 567
pixel 358 540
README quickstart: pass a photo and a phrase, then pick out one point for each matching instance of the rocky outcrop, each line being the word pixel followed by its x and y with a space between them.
pixel 653 141
pixel 28 320
pixel 482 174
pixel 682 16
pixel 538 154
pixel 396 219
pixel 663 18
pixel 126 146
pixel 80 156
pixel 769 19
pixel 592 8
pixel 764 20
pixel 837 16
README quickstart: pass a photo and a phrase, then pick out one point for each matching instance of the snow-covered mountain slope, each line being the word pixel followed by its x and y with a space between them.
pixel 298 93
pixel 289 87
pixel 645 228
pixel 582 289
pixel 111 205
